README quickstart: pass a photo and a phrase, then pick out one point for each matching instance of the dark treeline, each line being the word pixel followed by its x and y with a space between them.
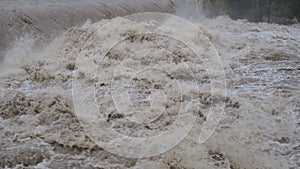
pixel 274 11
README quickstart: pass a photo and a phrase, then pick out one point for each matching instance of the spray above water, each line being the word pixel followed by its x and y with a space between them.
pixel 148 60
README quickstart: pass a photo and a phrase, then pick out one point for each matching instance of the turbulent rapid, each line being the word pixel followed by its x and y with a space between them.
pixel 39 126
